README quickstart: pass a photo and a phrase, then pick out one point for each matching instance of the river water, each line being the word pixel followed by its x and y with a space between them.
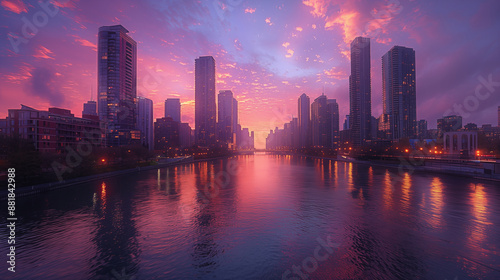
pixel 261 217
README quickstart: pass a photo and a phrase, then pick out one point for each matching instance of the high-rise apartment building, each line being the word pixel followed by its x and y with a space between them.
pixel 399 92
pixel 145 121
pixel 304 120
pixel 205 108
pixel 333 112
pixel 90 108
pixel 227 116
pixel 324 122
pixel 173 109
pixel 360 91
pixel 117 78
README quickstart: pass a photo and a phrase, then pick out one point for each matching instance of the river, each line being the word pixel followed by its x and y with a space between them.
pixel 261 217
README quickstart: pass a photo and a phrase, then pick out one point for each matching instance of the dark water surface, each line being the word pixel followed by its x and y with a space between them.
pixel 261 217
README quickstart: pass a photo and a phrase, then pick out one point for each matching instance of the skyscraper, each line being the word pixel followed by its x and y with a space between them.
pixel 422 129
pixel 449 123
pixel 184 135
pixel 304 120
pixel 333 112
pixel 235 118
pixel 205 109
pixel 166 133
pixel 399 92
pixel 321 123
pixel 90 108
pixel 227 116
pixel 117 78
pixel 145 121
pixel 173 109
pixel 360 91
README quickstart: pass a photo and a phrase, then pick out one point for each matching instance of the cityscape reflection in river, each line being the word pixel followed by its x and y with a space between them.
pixel 257 216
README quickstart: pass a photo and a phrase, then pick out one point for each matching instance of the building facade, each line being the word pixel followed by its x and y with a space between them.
pixel 145 121
pixel 90 108
pixel 304 120
pixel 54 131
pixel 462 143
pixel 325 122
pixel 333 111
pixel 399 92
pixel 448 124
pixel 166 134
pixel 422 129
pixel 205 107
pixel 117 82
pixel 360 91
pixel 185 139
pixel 227 117
pixel 173 109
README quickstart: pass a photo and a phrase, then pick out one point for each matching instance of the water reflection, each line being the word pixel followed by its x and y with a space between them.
pixel 115 235
pixel 388 191
pixel 436 201
pixel 479 204
pixel 193 222
pixel 406 193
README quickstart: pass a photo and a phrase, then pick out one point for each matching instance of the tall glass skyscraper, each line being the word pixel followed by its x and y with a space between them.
pixel 117 78
pixel 304 120
pixel 399 92
pixel 333 113
pixel 360 93
pixel 205 109
pixel 227 116
pixel 173 109
pixel 145 121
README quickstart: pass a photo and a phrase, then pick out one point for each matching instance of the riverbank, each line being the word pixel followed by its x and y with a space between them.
pixel 41 188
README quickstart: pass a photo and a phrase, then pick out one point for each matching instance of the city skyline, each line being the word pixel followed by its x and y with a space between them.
pixel 271 88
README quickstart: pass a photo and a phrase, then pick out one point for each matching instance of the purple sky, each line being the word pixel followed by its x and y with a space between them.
pixel 267 52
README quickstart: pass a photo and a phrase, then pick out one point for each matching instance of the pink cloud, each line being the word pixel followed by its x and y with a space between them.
pixel 86 43
pixel 250 10
pixel 43 52
pixel 16 6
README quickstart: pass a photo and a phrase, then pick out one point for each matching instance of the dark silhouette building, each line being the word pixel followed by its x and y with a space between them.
pixel 166 134
pixel 399 92
pixel 304 120
pixel 90 108
pixel 205 108
pixel 173 109
pixel 360 91
pixel 227 117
